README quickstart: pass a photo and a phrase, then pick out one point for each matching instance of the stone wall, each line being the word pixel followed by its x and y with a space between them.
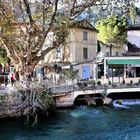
pixel 9 103
pixel 61 89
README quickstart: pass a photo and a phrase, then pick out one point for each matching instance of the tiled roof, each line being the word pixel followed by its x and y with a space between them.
pixel 84 24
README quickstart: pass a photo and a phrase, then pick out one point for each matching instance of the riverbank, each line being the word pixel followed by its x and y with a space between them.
pixel 39 97
pixel 18 101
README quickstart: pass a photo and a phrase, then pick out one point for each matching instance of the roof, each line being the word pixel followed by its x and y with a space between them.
pixel 132 47
pixel 134 27
pixel 84 24
pixel 83 62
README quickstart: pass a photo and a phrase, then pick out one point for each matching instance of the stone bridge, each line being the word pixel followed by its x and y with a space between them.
pixel 65 96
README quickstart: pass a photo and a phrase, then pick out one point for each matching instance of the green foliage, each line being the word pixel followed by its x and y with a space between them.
pixel 104 94
pixel 47 100
pixel 119 102
pixel 3 56
pixel 112 30
pixel 133 14
pixel 1 98
pixel 99 83
pixel 109 83
pixel 70 73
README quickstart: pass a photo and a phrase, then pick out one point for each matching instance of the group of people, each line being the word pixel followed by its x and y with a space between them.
pixel 12 80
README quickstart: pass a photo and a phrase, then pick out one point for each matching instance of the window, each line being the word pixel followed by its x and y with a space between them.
pixel 58 52
pixel 85 53
pixel 117 53
pixel 107 53
pixel 85 35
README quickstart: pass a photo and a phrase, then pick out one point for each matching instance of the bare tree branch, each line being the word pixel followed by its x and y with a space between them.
pixel 32 24
pixel 40 44
pixel 28 11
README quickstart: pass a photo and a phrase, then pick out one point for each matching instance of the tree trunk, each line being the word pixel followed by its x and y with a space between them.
pixel 110 49
pixel 24 71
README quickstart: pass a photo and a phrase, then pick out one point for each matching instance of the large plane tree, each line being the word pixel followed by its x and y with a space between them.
pixel 25 27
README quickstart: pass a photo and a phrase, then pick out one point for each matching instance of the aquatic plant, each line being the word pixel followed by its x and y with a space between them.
pixel 119 102
pixel 104 93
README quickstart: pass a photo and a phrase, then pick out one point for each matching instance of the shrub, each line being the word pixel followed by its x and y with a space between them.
pixel 123 81
pixel 131 82
pixel 99 83
pixel 70 73
pixel 85 84
pixel 109 82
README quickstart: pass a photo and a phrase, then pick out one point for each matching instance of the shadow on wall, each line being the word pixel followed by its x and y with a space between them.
pixel 124 95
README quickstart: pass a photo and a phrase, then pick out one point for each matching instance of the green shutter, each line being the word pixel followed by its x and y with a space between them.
pixel 11 69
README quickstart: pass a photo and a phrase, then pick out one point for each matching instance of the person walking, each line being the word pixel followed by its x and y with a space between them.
pixel 12 79
pixel 6 81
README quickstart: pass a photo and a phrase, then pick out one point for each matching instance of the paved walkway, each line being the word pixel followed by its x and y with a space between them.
pixel 6 89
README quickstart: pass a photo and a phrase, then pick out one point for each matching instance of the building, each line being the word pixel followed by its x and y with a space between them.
pixel 78 52
pixel 127 65
pixel 115 50
pixel 133 37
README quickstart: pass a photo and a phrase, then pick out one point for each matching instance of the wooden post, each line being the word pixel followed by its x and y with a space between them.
pixel 112 75
pixel 105 72
pixel 110 49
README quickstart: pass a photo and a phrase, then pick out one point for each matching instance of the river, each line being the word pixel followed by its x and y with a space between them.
pixel 82 123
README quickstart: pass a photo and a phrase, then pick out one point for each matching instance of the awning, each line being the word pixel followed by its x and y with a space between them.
pixel 123 61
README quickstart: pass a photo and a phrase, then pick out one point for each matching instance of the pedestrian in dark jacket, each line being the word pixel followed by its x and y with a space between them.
pixel 6 81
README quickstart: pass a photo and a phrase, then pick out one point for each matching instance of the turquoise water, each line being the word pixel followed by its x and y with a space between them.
pixel 82 123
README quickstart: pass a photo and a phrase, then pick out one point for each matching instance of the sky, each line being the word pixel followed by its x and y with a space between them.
pixel 138 4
